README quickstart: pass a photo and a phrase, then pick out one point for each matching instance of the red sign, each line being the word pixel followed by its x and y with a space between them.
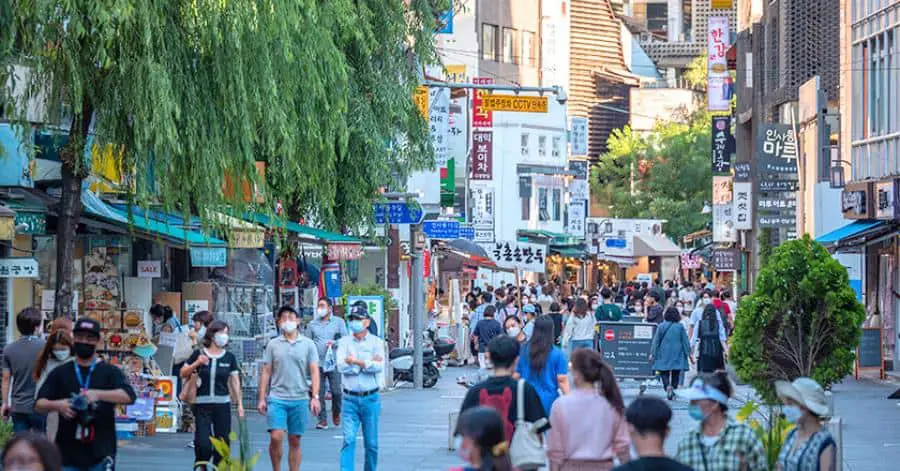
pixel 481 118
pixel 609 335
pixel 427 264
pixel 482 155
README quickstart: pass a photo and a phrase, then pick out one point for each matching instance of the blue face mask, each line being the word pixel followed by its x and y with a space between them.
pixel 792 413
pixel 696 412
pixel 356 326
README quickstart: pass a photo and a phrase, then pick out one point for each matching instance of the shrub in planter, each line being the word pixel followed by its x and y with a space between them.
pixel 803 319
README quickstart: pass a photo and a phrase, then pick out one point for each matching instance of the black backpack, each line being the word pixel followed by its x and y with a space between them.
pixel 710 346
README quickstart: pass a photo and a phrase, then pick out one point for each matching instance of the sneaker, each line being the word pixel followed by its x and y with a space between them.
pixel 190 444
pixel 322 425
pixel 336 418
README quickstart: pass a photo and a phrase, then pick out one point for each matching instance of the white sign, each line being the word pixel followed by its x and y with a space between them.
pixel 578 189
pixel 484 234
pixel 24 267
pixel 149 269
pixel 719 87
pixel 48 300
pixel 439 124
pixel 519 255
pixel 577 215
pixel 743 206
pixel 194 306
pixel 579 135
pixel 457 135
pixel 723 223
pixel 482 206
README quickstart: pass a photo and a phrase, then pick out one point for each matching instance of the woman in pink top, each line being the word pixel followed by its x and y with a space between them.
pixel 588 427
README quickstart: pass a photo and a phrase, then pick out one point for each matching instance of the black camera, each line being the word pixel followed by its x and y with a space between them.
pixel 84 410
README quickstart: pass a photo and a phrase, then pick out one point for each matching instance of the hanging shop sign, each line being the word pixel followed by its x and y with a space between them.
pixel 519 256
pixel 456 73
pixel 777 149
pixel 578 190
pixel 722 189
pixel 32 223
pixel 482 200
pixel 209 257
pixel 720 87
pixel 482 155
pixel 726 259
pixel 689 262
pixel 481 117
pixel 149 269
pixel 420 98
pixel 723 145
pixel 515 103
pixel 439 124
pixel 484 234
pixel 723 223
pixel 246 238
pixel 887 199
pixel 778 185
pixel 344 251
pixel 778 221
pixel 776 203
pixel 741 172
pixel 579 169
pixel 579 136
pixel 525 186
pixel 24 267
pixel 576 223
pixel 856 201
pixel 743 206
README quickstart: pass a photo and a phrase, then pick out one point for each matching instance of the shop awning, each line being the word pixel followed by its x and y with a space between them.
pixel 855 230
pixel 305 232
pixel 655 246
pixel 568 251
pixel 550 237
pixel 617 259
pixel 241 234
pixel 94 206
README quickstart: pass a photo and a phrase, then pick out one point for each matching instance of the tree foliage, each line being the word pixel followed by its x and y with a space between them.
pixel 665 174
pixel 192 91
pixel 802 320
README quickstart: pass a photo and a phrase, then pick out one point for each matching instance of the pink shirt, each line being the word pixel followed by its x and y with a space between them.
pixel 584 426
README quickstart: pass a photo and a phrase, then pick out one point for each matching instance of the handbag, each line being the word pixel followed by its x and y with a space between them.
pixel 526 450
pixel 189 387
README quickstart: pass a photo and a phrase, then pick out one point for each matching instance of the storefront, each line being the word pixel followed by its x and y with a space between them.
pixel 657 255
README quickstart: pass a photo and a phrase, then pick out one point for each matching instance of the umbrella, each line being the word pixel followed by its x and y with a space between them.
pixel 468 247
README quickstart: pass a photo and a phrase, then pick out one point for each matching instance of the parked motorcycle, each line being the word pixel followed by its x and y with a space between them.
pixel 402 360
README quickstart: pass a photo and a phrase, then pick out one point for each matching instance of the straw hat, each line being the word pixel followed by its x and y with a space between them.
pixel 806 392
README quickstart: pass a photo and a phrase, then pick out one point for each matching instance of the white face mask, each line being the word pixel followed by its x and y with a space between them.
pixel 221 340
pixel 321 312
pixel 289 327
pixel 62 355
pixel 202 332
pixel 679 309
pixel 514 331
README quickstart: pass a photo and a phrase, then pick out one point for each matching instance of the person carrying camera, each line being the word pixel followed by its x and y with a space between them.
pixel 85 394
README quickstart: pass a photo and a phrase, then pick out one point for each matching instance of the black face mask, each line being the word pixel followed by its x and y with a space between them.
pixel 84 350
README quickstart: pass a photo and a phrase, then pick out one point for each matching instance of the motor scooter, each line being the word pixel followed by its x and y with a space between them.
pixel 435 349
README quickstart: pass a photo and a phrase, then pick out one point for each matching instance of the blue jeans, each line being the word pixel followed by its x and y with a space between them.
pixel 576 344
pixel 101 466
pixel 358 411
pixel 23 422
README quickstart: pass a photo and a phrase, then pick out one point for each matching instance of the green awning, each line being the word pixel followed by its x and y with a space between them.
pixel 552 238
pixel 572 252
pixel 299 229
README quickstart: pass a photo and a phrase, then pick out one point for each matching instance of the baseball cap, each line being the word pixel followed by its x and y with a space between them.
pixel 699 391
pixel 359 310
pixel 529 308
pixel 88 326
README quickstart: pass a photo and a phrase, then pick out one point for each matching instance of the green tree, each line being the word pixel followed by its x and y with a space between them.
pixel 802 320
pixel 190 91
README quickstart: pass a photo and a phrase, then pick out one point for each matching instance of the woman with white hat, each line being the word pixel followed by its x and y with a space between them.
pixel 808 446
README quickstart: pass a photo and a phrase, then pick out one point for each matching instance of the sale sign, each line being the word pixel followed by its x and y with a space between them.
pixel 481 117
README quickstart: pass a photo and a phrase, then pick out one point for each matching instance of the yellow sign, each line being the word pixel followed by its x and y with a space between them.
pixel 525 104
pixel 420 97
pixel 456 73
pixel 722 4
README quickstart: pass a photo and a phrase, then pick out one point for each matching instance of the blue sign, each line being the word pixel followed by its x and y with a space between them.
pixel 616 243
pixel 447 230
pixel 445 22
pixel 467 232
pixel 210 257
pixel 397 212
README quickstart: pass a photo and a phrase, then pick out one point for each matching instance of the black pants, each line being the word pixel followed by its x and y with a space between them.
pixel 670 378
pixel 210 420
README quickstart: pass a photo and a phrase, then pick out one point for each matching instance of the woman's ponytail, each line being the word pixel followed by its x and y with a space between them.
pixel 594 370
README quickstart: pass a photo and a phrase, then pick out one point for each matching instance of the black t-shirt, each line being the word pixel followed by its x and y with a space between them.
pixel 499 392
pixel 62 383
pixel 225 366
pixel 486 330
pixel 653 464
pixel 557 327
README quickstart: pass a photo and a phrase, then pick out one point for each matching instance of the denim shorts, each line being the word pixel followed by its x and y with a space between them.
pixel 289 415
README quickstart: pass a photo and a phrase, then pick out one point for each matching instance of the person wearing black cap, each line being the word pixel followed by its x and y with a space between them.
pixel 85 396
pixel 360 361
pixel 373 326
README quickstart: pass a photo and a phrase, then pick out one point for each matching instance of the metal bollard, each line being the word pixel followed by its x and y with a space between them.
pixel 453 417
pixel 835 427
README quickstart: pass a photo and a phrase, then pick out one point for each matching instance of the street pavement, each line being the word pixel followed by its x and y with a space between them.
pixel 414 426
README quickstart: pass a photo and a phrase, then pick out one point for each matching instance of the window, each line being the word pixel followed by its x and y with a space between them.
pixel 509 46
pixel 488 42
pixel 526 207
pixel 528 48
pixel 542 146
pixel 557 147
pixel 525 145
pixel 543 213
pixel 557 204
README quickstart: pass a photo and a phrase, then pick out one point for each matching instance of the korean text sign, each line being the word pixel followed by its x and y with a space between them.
pixel 723 145
pixel 482 155
pixel 519 255
pixel 720 86
pixel 481 118
pixel 777 149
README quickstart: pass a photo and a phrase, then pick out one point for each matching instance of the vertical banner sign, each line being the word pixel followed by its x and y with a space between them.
pixel 743 206
pixel 481 118
pixel 420 98
pixel 482 155
pixel 579 135
pixel 723 145
pixel 575 226
pixel 482 198
pixel 723 211
pixel 719 86
pixel 439 126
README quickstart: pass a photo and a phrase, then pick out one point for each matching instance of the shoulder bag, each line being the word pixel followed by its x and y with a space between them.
pixel 526 450
pixel 189 386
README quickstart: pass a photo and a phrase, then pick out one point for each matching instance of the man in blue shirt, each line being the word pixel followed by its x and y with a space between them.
pixel 360 360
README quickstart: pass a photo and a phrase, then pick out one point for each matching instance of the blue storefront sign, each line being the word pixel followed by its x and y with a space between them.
pixel 441 230
pixel 616 243
pixel 467 232
pixel 397 213
pixel 209 257
pixel 445 22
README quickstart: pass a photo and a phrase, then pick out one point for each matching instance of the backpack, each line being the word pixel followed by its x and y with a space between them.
pixel 710 346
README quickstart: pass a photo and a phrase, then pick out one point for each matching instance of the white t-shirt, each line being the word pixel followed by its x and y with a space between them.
pixel 688 296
